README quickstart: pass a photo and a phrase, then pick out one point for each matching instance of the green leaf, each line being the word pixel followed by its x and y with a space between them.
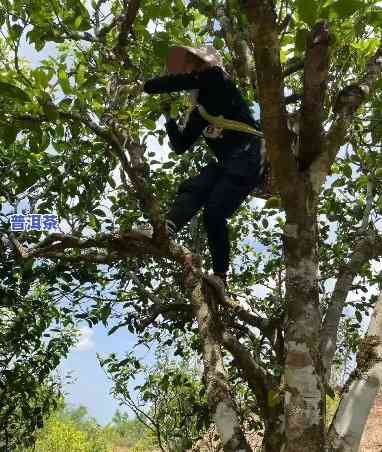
pixel 273 203
pixel 160 48
pixel 124 361
pixel 111 182
pixel 168 165
pixel 345 8
pixel 300 41
pixel 218 43
pixel 379 203
pixel 265 222
pixel 39 45
pixel 378 173
pixel 186 19
pixel 44 143
pixel 50 111
pixel 273 398
pixel 9 134
pixel 64 81
pixel 78 21
pixel 147 395
pixel 358 316
pixel 374 18
pixel 173 110
pixel 94 223
pixel 13 92
pixel 149 124
pixel 15 31
pixel 41 77
pixel 65 103
pixel 347 170
pixel 307 10
pixel 165 10
pixel 99 212
pixel 362 181
pixel 152 10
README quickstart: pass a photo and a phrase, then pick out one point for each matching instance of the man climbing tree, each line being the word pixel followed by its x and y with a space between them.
pixel 316 65
pixel 223 185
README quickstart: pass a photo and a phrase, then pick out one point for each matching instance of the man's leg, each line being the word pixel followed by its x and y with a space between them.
pixel 223 201
pixel 191 196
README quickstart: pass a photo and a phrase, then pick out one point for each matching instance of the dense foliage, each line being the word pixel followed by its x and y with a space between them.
pixel 171 401
pixel 74 129
pixel 73 430
pixel 35 335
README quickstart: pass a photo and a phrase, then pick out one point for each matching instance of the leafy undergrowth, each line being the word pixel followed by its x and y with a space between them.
pixel 74 431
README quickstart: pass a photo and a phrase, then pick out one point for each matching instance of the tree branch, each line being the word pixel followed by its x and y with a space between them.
pixel 117 245
pixel 264 34
pixel 72 35
pixel 237 45
pixel 257 378
pixel 166 308
pixel 346 104
pixel 133 168
pixel 292 67
pixel 220 401
pixel 127 244
pixel 56 251
pixel 259 322
pixel 315 82
pixel 368 247
pixel 159 307
pixel 96 16
pixel 368 207
pixel 361 389
pixel 127 21
pixel 106 29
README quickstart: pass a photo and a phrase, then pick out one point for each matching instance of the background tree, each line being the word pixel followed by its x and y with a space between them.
pixel 314 66
pixel 35 335
pixel 73 430
pixel 171 400
pixel 131 431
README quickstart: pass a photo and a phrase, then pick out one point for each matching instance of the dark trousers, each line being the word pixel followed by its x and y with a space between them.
pixel 220 188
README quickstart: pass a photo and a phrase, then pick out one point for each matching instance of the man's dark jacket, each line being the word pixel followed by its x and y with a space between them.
pixel 219 96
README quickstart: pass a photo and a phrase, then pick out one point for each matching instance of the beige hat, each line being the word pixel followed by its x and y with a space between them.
pixel 176 57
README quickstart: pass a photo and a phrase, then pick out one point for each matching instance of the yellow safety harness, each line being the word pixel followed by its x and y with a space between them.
pixel 223 123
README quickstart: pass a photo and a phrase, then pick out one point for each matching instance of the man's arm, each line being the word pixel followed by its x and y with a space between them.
pixel 210 77
pixel 181 140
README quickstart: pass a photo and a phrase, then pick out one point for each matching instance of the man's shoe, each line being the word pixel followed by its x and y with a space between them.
pixel 221 282
pixel 147 230
pixel 223 278
pixel 171 229
pixel 144 229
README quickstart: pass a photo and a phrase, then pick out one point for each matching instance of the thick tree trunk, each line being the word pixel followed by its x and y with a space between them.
pixel 274 433
pixel 304 392
pixel 367 246
pixel 220 401
pixel 351 416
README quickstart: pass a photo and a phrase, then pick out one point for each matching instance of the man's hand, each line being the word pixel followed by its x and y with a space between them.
pixel 139 86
